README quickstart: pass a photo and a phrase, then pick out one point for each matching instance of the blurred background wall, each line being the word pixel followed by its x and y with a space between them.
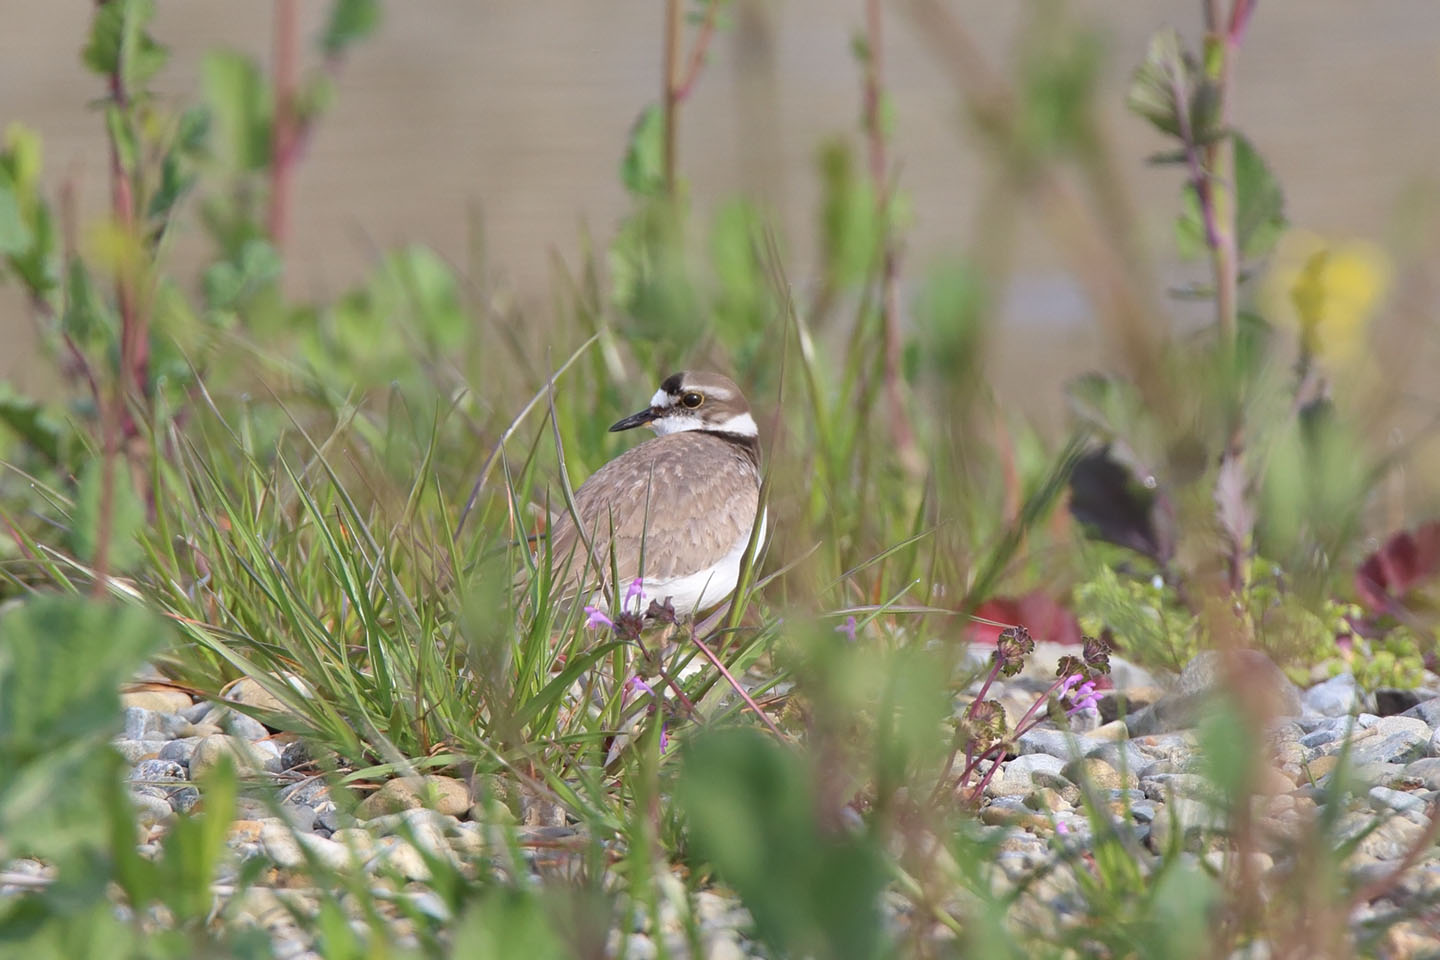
pixel 519 112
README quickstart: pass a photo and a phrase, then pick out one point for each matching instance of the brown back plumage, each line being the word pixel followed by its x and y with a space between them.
pixel 683 498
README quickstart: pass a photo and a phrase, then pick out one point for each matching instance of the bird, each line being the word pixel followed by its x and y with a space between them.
pixel 676 512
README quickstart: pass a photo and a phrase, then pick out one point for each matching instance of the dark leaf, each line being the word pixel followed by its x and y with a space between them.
pixel 1404 562
pixel 1115 507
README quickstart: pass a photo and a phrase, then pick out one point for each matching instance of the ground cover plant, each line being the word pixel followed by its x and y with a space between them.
pixel 986 691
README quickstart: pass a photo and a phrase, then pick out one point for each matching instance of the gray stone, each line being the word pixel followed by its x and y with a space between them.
pixel 141 724
pixel 1337 697
pixel 1394 740
pixel 1023 768
pixel 1055 743
pixel 1427 710
pixel 1098 774
pixel 209 751
pixel 269 753
pixel 1426 770
pixel 1327 731
pixel 151 810
pixel 1200 682
pixel 1166 785
pixel 136 750
pixel 400 856
pixel 1409 804
pixel 294 754
pixel 299 816
pixel 1391 840
pixel 288 849
pixel 1187 816
pixel 164 780
pixel 1126 755
pixel 445 794
pixel 241 725
pixel 157 771
pixel 180 750
pixel 1365 776
pixel 637 947
pixel 185 799
pixel 310 791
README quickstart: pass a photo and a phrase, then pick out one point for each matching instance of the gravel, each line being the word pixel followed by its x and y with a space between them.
pixel 1148 783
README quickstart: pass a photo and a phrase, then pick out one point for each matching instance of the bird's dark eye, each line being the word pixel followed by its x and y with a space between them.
pixel 692 399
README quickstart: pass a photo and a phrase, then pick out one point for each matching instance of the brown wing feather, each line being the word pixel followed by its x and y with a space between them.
pixel 678 490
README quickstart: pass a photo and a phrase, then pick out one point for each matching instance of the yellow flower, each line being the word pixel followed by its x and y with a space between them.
pixel 1328 291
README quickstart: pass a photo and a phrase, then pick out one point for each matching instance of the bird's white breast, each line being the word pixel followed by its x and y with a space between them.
pixel 703 588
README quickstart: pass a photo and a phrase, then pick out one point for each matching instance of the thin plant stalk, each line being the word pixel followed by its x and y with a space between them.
pixel 285 135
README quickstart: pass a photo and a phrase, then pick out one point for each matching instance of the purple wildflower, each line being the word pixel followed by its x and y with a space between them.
pixel 636 593
pixel 1062 827
pixel 635 683
pixel 848 628
pixel 1083 698
pixel 595 618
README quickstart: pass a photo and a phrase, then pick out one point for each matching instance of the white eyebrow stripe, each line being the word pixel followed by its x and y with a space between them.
pixel 660 399
pixel 742 424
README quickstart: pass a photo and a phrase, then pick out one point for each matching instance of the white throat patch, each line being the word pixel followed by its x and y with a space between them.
pixel 741 425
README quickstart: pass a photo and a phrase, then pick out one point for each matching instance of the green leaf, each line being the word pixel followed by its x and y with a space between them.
pixel 29 421
pixel 62 662
pixel 231 285
pixel 643 169
pixel 1190 240
pixel 1178 911
pixel 751 809
pixel 350 22
pixel 1153 88
pixel 416 283
pixel 15 236
pixel 508 923
pixel 243 105
pixel 1259 209
pixel 117 124
pixel 947 319
pixel 61 667
pixel 85 313
pixel 119 44
pixel 1260 203
pixel 127 517
pixel 23 159
pixel 102 52
pixel 849 225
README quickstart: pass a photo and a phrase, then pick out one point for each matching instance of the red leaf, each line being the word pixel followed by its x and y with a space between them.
pixel 1405 561
pixel 1046 620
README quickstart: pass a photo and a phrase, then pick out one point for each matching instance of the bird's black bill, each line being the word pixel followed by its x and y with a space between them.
pixel 634 420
